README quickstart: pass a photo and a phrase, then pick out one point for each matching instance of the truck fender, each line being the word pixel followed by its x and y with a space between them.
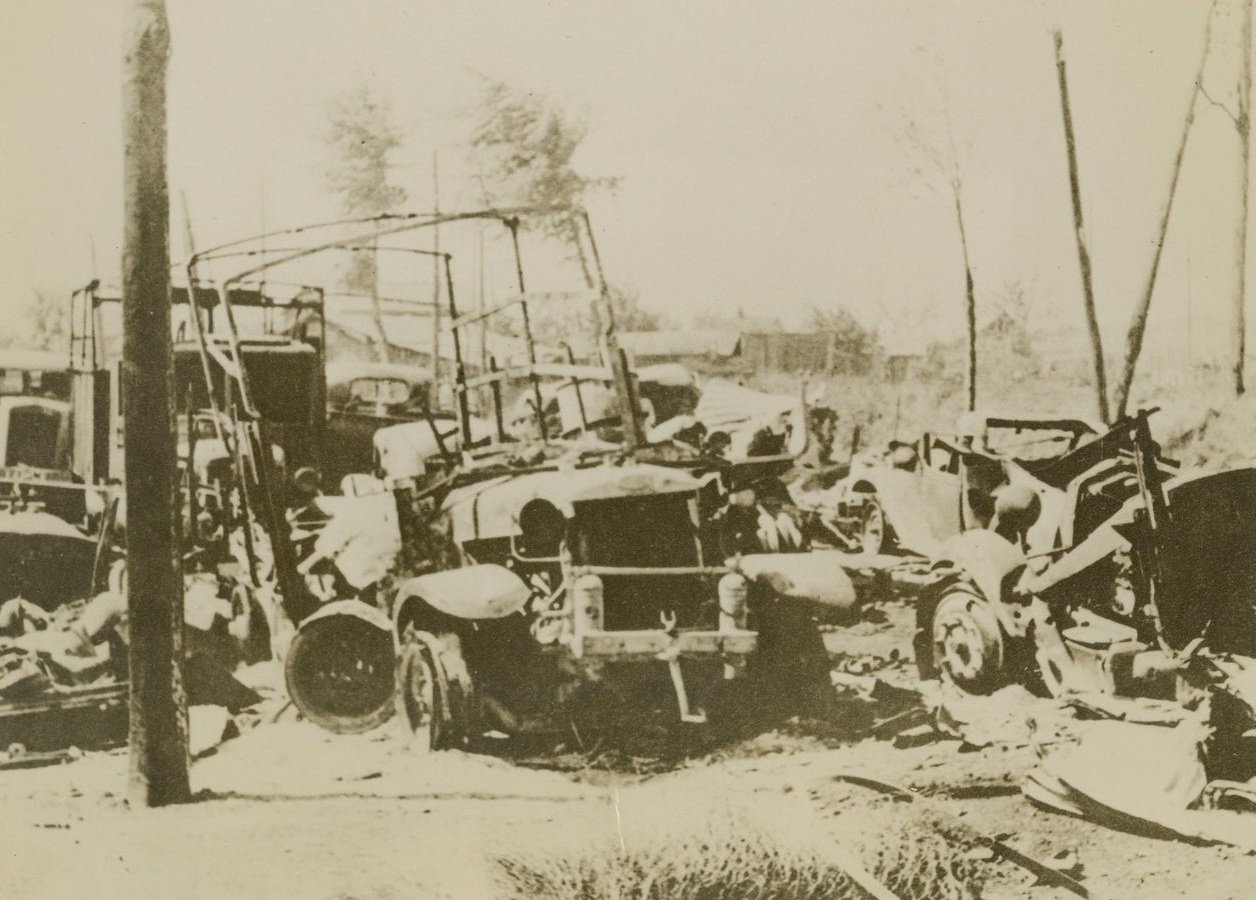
pixel 354 608
pixel 901 500
pixel 817 577
pixel 484 591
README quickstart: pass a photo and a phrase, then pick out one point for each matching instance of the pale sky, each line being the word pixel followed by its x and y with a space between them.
pixel 758 144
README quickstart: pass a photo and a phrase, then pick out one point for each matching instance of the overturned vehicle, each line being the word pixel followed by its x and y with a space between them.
pixel 1109 570
pixel 914 496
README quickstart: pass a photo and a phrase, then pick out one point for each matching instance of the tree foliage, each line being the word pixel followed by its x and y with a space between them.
pixel 363 138
pixel 45 325
pixel 850 338
pixel 524 146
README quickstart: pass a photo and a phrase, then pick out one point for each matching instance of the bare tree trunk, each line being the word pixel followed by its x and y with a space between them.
pixel 158 728
pixel 970 302
pixel 1083 255
pixel 573 230
pixel 1138 324
pixel 1244 125
pixel 436 273
pixel 383 349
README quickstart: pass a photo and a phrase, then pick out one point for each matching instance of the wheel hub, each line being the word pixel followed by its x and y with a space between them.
pixel 967 642
pixel 962 651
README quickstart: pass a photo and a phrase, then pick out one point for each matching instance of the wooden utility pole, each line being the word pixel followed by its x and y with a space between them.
pixel 1138 324
pixel 158 729
pixel 1083 255
pixel 1243 122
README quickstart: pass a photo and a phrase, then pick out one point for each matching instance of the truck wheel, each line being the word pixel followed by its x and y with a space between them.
pixel 968 643
pixel 432 702
pixel 339 673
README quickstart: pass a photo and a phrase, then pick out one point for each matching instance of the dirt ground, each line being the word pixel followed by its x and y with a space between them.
pixel 289 810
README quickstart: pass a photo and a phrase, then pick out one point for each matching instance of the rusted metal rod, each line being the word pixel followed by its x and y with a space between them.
pixel 1045 873
pixel 615 356
pixel 496 388
pixel 464 414
pixel 650 570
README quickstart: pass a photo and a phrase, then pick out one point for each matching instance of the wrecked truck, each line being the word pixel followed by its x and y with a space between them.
pixel 547 562
pixel 568 576
pixel 1120 568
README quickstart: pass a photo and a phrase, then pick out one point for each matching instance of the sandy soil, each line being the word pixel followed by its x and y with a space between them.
pixel 288 810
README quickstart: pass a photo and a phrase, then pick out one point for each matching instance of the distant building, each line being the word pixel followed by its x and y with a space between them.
pixel 727 353
pixel 352 334
pixel 901 350
pixel 704 351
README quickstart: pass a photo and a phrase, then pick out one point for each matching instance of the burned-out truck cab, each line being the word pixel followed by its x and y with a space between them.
pixel 48 516
pixel 604 564
pixel 249 412
pixel 34 413
pixel 268 367
pixel 1127 567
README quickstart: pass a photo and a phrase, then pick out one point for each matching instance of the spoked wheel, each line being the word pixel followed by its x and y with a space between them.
pixel 432 700
pixel 872 535
pixel 968 643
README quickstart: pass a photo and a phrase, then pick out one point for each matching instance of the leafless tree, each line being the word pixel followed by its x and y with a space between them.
pixel 1243 124
pixel 1079 231
pixel 943 171
pixel 1138 324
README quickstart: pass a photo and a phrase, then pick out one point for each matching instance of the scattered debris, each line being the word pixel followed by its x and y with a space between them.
pixel 1046 874
pixel 1143 778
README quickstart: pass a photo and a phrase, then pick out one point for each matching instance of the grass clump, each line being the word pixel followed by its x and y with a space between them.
pixel 749 866
pixel 919 858
pixel 774 847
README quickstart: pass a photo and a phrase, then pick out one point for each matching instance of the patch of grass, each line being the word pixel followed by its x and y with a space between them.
pixel 919 858
pixel 749 866
pixel 768 852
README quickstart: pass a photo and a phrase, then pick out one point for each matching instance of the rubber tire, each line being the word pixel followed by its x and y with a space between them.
pixel 324 653
pixel 441 678
pixel 968 644
pixel 418 695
